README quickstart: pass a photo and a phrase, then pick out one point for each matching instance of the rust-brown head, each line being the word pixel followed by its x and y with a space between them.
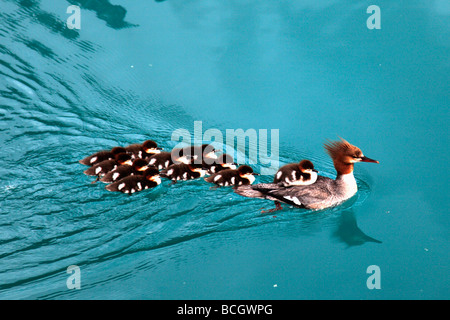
pixel 344 155
pixel 246 172
pixel 140 165
pixel 306 166
pixel 152 174
pixel 123 158
pixel 151 147
pixel 117 150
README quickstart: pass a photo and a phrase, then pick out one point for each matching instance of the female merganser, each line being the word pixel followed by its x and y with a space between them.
pixel 224 161
pixel 142 150
pixel 325 192
pixel 102 168
pixel 296 174
pixel 138 167
pixel 182 171
pixel 244 175
pixel 102 155
pixel 135 183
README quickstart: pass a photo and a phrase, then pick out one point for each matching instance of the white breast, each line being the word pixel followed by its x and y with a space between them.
pixel 250 178
pixel 347 185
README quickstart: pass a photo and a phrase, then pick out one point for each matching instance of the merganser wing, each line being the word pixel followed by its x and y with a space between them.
pixel 315 196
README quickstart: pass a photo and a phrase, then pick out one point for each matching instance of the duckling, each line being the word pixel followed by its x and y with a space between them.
pixel 138 167
pixel 165 159
pixel 200 153
pixel 101 156
pixel 102 168
pixel 135 183
pixel 296 174
pixel 243 175
pixel 224 161
pixel 182 171
pixel 143 150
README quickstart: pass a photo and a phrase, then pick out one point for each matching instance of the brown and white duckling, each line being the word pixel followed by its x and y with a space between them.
pixel 135 183
pixel 165 159
pixel 137 167
pixel 102 168
pixel 243 175
pixel 101 156
pixel 200 153
pixel 182 171
pixel 143 150
pixel 224 161
pixel 296 174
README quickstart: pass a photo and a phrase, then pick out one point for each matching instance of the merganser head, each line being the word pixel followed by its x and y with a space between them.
pixel 307 166
pixel 140 165
pixel 197 167
pixel 150 147
pixel 208 151
pixel 117 150
pixel 344 155
pixel 152 174
pixel 123 158
pixel 226 161
pixel 180 156
pixel 246 172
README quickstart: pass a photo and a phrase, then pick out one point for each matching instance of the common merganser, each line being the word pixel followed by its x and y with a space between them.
pixel 243 175
pixel 325 192
pixel 135 183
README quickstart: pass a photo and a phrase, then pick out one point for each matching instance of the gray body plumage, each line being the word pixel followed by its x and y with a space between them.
pixel 324 193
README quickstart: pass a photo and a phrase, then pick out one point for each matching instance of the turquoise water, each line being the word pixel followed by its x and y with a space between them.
pixel 139 71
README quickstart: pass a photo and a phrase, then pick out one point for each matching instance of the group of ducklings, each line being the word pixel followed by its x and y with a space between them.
pixel 140 166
